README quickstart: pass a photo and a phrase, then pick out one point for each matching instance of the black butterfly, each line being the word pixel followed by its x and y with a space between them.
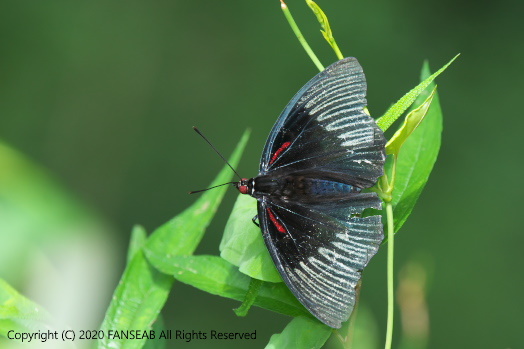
pixel 322 151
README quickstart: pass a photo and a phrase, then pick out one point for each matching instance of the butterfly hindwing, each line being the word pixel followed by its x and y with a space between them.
pixel 320 249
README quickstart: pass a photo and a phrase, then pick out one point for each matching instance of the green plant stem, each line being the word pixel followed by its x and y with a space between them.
pixel 391 184
pixel 299 36
pixel 251 295
pixel 337 50
pixel 391 237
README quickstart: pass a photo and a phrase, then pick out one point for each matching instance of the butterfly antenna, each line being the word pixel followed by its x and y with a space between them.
pixel 215 149
pixel 216 186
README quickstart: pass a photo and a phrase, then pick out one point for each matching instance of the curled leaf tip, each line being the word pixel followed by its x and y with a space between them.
pixel 411 122
pixel 326 28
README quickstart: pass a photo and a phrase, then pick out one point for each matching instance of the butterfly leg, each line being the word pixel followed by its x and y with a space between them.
pixel 254 219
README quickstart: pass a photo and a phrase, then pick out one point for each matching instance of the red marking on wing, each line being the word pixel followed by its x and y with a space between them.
pixel 279 151
pixel 275 221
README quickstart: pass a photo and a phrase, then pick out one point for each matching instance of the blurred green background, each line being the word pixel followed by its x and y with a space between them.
pixel 101 97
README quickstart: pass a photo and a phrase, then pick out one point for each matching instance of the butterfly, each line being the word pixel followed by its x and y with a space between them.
pixel 323 150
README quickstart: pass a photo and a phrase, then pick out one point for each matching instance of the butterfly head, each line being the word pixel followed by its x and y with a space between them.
pixel 245 186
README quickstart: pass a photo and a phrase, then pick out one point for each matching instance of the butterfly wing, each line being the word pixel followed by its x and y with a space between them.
pixel 324 128
pixel 320 245
pixel 320 249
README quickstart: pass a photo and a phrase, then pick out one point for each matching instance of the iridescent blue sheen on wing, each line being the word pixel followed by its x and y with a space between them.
pixel 326 187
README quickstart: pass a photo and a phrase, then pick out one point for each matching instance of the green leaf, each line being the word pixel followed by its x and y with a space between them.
pixel 242 244
pixel 143 290
pixel 411 122
pixel 141 293
pixel 157 342
pixel 301 332
pixel 182 234
pixel 36 211
pixel 397 109
pixel 365 334
pixel 19 314
pixel 417 158
pixel 215 275
pixel 137 241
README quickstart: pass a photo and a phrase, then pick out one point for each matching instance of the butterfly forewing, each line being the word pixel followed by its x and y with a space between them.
pixel 323 150
pixel 327 129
